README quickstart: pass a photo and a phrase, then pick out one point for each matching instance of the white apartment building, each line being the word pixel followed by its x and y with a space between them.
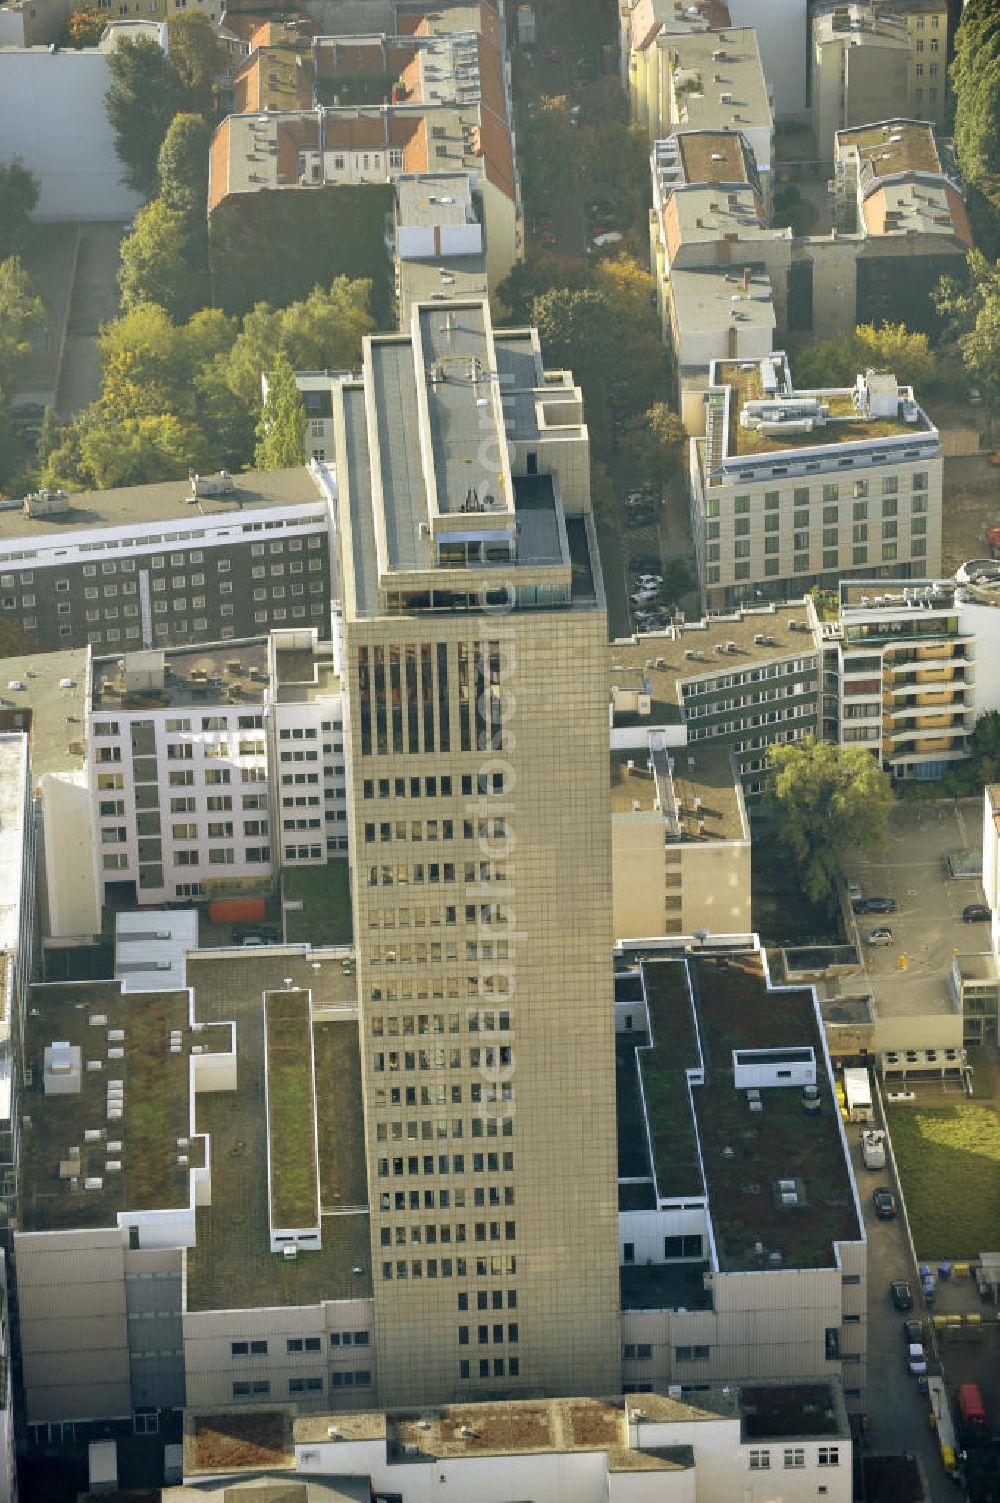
pixel 725 1081
pixel 211 767
pixel 665 1447
pixel 791 489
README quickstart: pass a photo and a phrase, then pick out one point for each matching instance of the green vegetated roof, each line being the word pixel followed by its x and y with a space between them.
pixel 662 1068
pixel 746 1153
pixel 291 1112
pixel 701 1008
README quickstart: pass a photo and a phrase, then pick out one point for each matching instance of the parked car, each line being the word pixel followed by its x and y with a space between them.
pixel 885 1204
pixel 609 237
pixel 913 1332
pixel 874 905
pixel 975 913
pixel 901 1294
pixel 916 1360
pixel 853 889
pixel 879 938
pixel 257 932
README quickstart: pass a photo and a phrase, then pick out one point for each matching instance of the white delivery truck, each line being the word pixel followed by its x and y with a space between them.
pixel 858 1095
pixel 873 1147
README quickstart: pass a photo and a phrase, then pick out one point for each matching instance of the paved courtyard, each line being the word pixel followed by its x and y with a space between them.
pixel 909 978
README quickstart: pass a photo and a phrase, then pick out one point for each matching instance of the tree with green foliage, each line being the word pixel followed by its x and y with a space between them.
pixel 548 151
pixel 182 166
pixel 85 28
pixel 577 330
pixel 975 81
pixel 141 450
pixel 830 804
pixel 984 748
pixel 838 360
pixel 48 436
pixel 528 279
pixel 144 96
pixel 159 411
pixel 21 313
pixel 199 58
pixel 282 428
pixel 154 263
pixel 321 332
pixel 970 310
pixel 18 197
pixel 654 443
pixel 21 316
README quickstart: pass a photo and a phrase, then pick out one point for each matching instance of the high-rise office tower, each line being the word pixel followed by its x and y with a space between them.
pixel 474 642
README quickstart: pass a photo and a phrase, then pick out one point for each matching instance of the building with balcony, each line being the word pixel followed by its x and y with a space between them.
pixel 743 1249
pixel 211 767
pixel 674 1447
pixel 680 841
pixel 193 1223
pixel 791 489
pixel 160 565
pixel 907 674
pixel 475 641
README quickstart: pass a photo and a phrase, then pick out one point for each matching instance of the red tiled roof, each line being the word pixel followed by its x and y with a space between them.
pixel 491 141
pixel 218 166
pixel 295 135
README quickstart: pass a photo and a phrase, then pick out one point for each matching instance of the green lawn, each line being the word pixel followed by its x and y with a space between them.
pixel 290 1112
pixel 325 895
pixel 949 1165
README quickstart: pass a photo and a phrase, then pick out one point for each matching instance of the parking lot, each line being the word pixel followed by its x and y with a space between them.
pixel 909 977
pixel 897 1411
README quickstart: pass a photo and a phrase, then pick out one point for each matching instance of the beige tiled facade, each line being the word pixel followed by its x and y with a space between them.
pixel 480 831
pixel 535 1166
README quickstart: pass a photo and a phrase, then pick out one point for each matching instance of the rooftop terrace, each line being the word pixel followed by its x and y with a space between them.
pixel 846 424
pixel 744 1154
pixel 421 498
pixel 229 672
pixel 167 501
pixel 232 1266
